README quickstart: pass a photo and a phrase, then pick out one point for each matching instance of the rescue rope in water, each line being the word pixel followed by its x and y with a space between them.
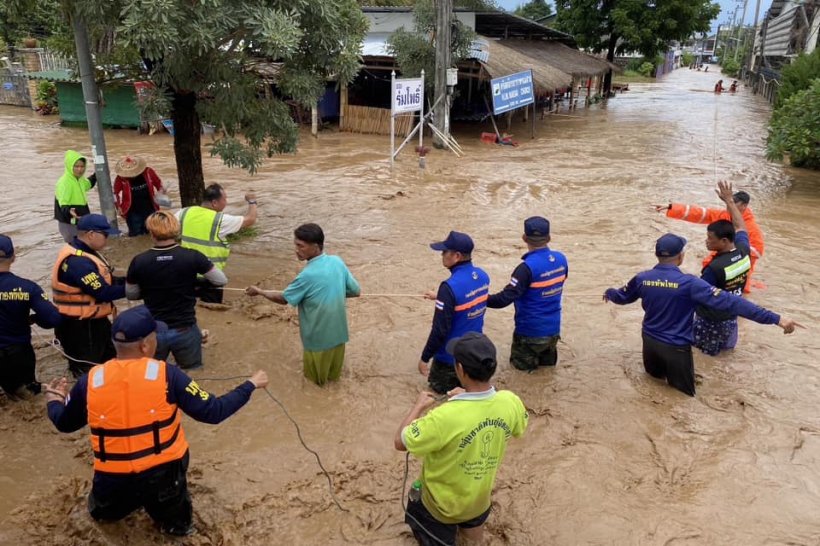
pixel 388 295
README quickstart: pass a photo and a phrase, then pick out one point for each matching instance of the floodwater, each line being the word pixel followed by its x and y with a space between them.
pixel 611 456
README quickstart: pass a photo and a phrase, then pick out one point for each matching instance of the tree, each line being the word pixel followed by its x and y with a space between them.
pixel 534 9
pixel 415 49
pixel 798 75
pixel 645 26
pixel 201 55
pixel 795 128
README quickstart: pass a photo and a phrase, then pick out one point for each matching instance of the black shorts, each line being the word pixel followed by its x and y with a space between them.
pixel 88 340
pixel 671 362
pixel 417 516
pixel 442 377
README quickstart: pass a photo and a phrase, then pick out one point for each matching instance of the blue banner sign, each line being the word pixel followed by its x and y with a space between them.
pixel 513 91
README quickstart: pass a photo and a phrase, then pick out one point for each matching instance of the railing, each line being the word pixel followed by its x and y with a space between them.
pixel 52 61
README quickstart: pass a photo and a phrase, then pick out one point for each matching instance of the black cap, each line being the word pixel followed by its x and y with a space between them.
pixel 669 245
pixel 474 351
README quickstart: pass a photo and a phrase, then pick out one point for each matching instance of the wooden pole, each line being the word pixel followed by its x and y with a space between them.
pixel 343 107
pixel 444 14
pixel 314 121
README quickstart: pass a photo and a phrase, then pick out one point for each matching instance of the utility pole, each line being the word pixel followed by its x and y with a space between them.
pixel 441 113
pixel 740 28
pixel 91 96
pixel 754 37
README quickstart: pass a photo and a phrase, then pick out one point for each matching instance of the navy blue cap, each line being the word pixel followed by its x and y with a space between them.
pixel 669 245
pixel 6 247
pixel 135 324
pixel 456 242
pixel 536 226
pixel 95 222
pixel 473 350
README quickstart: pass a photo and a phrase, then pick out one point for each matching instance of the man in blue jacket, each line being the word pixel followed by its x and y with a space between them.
pixel 669 298
pixel 18 299
pixel 461 301
pixel 536 287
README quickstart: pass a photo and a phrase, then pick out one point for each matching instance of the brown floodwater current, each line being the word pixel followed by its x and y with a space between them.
pixel 611 456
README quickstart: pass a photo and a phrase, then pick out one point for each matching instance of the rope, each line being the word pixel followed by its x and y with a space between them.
pixel 714 143
pixel 404 506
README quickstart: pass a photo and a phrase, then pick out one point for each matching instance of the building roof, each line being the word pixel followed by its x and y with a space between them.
pixel 562 57
pixel 502 60
pixel 500 24
pixel 53 76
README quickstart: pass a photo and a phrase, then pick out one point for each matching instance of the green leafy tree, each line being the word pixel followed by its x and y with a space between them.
pixel 795 129
pixel 415 49
pixel 645 26
pixel 534 9
pixel 798 76
pixel 203 55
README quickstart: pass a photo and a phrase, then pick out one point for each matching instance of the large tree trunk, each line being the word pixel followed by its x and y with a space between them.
pixel 187 151
pixel 610 56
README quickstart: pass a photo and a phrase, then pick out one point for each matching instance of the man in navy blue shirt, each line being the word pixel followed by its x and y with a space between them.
pixel 669 298
pixel 84 288
pixel 18 298
pixel 461 302
pixel 131 405
pixel 716 331
pixel 536 287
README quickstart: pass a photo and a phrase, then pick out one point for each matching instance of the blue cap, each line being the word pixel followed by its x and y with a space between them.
pixel 536 226
pixel 456 242
pixel 669 245
pixel 6 247
pixel 135 324
pixel 95 222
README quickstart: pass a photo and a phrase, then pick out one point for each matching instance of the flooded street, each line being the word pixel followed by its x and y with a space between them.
pixel 611 456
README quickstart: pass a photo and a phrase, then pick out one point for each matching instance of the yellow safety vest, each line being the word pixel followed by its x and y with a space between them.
pixel 200 231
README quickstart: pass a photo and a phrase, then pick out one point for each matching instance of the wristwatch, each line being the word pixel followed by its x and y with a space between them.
pixel 251 202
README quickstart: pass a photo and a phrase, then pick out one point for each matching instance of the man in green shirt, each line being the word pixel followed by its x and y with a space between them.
pixel 319 291
pixel 462 443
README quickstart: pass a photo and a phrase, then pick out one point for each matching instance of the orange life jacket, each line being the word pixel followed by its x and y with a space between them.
pixel 133 427
pixel 702 215
pixel 71 301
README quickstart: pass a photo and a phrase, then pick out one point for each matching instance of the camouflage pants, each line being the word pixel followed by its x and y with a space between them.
pixel 528 353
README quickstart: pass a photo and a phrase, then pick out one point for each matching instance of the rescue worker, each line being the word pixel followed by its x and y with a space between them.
pixel 719 87
pixel 70 202
pixel 461 302
pixel 18 299
pixel 131 405
pixel 702 215
pixel 733 87
pixel 83 289
pixel 462 443
pixel 715 331
pixel 165 277
pixel 536 287
pixel 206 228
pixel 669 297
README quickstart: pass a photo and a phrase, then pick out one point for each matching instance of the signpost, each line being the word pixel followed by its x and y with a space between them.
pixel 513 92
pixel 407 96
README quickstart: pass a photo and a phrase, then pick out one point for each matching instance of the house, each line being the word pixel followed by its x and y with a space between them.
pixel 790 27
pixel 506 44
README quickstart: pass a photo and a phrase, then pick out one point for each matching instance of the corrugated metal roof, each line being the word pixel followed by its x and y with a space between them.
pixel 779 33
pixel 53 76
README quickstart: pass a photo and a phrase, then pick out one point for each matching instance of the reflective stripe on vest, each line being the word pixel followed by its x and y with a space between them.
pixel 538 310
pixel 71 301
pixel 133 427
pixel 200 231
pixel 471 288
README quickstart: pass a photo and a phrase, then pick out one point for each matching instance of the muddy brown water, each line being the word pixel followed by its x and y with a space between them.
pixel 611 456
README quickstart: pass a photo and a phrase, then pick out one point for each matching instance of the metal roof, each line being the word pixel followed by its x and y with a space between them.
pixel 53 76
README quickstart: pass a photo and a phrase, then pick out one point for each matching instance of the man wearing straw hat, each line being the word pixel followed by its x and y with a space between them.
pixel 535 288
pixel 135 190
pixel 319 291
pixel 166 277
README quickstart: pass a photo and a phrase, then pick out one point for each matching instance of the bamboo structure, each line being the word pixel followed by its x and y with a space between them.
pixel 374 121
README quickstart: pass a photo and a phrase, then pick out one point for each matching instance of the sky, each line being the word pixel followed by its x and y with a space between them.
pixel 726 8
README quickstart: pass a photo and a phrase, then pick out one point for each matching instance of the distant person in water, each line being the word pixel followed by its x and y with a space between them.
pixel 733 87
pixel 719 87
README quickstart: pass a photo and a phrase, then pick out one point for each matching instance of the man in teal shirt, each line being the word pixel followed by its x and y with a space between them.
pixel 319 292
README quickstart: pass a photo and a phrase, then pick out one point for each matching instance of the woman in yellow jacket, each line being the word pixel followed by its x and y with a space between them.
pixel 70 202
pixel 703 215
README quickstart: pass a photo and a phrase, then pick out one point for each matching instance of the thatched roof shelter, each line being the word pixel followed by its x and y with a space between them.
pixel 561 57
pixel 503 60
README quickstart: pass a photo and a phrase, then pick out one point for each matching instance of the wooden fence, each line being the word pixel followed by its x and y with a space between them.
pixel 374 121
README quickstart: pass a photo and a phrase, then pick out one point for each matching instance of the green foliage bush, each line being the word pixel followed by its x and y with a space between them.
pixel 46 100
pixel 634 64
pixel 686 59
pixel 646 69
pixel 798 76
pixel 730 67
pixel 795 129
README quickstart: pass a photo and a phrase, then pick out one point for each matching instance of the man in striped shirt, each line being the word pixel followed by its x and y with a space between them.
pixel 535 288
